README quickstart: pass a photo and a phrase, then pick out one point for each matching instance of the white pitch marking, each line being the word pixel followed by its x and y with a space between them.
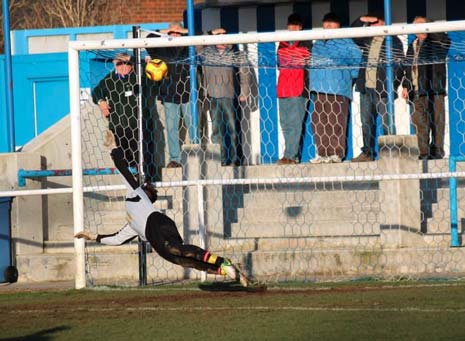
pixel 246 308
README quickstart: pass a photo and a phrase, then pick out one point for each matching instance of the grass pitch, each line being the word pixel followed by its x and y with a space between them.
pixel 371 310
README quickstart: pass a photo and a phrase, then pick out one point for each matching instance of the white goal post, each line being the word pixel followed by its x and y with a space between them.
pixel 75 47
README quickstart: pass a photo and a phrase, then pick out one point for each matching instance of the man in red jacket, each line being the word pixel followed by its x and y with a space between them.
pixel 292 89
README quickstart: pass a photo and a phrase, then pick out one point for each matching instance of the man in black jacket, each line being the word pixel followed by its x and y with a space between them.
pixel 116 95
pixel 372 82
pixel 174 91
pixel 425 86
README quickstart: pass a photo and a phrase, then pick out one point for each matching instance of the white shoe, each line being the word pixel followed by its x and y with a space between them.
pixel 242 277
pixel 335 159
pixel 319 159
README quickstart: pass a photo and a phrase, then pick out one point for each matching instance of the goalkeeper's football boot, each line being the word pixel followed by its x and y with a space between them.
pixel 228 269
pixel 242 277
pixel 233 272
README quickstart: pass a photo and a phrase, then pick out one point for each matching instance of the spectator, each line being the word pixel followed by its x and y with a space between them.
pixel 116 96
pixel 335 64
pixel 292 89
pixel 219 81
pixel 372 82
pixel 425 86
pixel 174 91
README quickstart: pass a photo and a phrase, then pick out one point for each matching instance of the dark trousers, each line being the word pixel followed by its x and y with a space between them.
pixel 329 124
pixel 428 118
pixel 163 235
pixel 372 105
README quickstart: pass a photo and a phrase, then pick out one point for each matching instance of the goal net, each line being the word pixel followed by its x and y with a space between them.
pixel 310 155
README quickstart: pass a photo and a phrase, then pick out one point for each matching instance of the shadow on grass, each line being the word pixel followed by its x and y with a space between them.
pixel 42 335
pixel 230 287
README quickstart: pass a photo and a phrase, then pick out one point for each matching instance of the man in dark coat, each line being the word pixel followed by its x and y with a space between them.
pixel 372 82
pixel 425 86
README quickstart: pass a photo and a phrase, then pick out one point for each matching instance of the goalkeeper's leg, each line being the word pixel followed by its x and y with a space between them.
pixel 163 235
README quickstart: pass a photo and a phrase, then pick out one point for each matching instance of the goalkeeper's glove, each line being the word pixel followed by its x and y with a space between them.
pixel 109 140
pixel 87 235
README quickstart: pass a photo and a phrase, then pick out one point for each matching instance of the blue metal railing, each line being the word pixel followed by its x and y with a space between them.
pixel 23 174
pixel 389 70
pixel 454 231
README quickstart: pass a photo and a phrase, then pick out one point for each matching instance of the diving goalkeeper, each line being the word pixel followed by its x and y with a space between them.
pixel 151 225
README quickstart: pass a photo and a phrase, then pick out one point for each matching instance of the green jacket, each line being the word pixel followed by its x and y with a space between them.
pixel 121 95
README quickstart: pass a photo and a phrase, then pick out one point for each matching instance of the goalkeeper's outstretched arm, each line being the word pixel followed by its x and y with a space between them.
pixel 123 236
pixel 118 158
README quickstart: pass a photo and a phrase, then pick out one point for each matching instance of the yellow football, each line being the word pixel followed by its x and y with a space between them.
pixel 156 70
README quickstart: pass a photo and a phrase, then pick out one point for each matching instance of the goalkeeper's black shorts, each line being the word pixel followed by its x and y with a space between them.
pixel 163 235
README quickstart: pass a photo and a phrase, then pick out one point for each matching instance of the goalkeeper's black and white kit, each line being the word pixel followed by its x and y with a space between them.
pixel 155 227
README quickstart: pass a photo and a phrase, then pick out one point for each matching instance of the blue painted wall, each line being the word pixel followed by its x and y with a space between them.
pixel 21 37
pixel 3 116
pixel 41 94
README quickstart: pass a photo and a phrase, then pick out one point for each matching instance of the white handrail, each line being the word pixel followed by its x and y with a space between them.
pixel 266 37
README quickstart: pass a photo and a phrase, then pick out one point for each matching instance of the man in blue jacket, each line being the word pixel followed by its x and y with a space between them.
pixel 174 91
pixel 335 65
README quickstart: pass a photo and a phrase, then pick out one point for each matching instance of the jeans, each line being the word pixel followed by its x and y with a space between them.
pixel 224 125
pixel 370 106
pixel 173 113
pixel 291 115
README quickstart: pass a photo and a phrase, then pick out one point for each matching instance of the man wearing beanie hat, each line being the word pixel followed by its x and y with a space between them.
pixel 292 89
pixel 335 64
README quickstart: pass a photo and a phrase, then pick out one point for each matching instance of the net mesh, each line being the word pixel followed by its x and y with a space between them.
pixel 260 151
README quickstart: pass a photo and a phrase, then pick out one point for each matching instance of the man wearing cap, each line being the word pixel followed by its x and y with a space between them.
pixel 116 96
pixel 372 82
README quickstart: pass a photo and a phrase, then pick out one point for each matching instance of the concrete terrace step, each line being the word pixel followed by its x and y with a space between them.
pixel 67 247
pixel 309 215
pixel 118 203
pixel 351 228
pixel 270 265
pixel 269 199
pixel 437 211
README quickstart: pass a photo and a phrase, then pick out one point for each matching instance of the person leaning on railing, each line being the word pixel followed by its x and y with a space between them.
pixel 292 89
pixel 219 64
pixel 174 90
pixel 116 97
pixel 372 82
pixel 425 86
pixel 335 64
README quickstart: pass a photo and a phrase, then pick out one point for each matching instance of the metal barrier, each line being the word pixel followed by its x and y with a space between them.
pixel 23 174
pixel 454 233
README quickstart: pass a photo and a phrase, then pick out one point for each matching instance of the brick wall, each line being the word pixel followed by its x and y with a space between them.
pixel 156 10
